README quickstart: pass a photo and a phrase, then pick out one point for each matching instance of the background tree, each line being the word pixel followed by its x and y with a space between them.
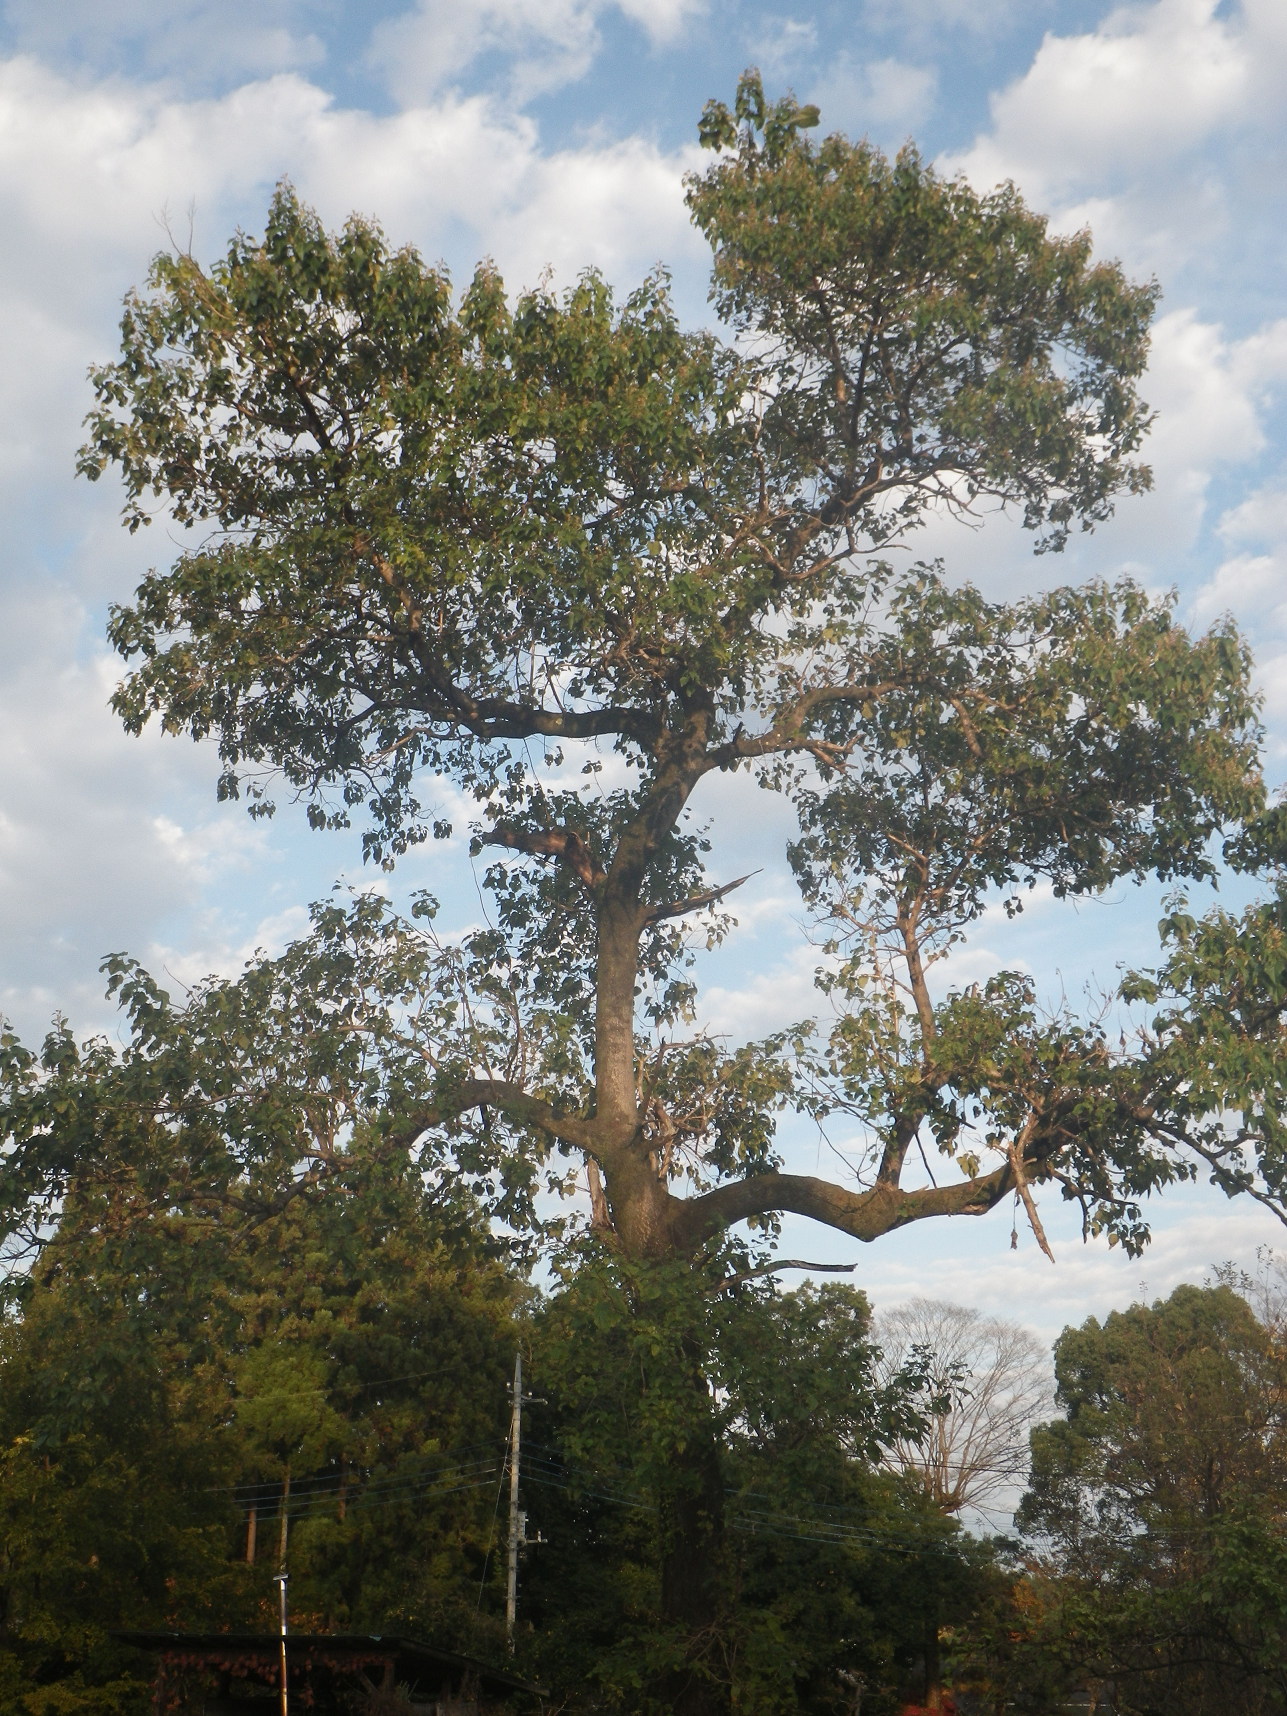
pixel 507 542
pixel 371 1357
pixel 185 1336
pixel 360 1337
pixel 116 1501
pixel 989 1379
pixel 1160 1500
pixel 993 1379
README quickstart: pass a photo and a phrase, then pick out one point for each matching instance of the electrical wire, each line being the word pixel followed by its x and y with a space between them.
pixel 492 1538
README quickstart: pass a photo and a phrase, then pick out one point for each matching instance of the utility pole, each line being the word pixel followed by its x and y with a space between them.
pixel 517 1521
pixel 515 1438
pixel 283 1579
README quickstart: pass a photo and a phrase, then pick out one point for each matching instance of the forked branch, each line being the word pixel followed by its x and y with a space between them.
pixel 511 1100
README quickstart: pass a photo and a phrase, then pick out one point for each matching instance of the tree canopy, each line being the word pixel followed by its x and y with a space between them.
pixel 498 541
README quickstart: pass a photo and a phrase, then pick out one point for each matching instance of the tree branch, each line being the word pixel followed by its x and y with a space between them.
pixel 506 1098
pixel 600 1217
pixel 865 1215
pixel 1015 1152
pixel 695 902
pixel 561 843
pixel 787 732
pixel 786 1263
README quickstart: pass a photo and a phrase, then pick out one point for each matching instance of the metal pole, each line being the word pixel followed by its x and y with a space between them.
pixel 515 1434
pixel 283 1579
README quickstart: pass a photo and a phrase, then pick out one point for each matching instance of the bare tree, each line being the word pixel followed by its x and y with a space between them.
pixel 996 1376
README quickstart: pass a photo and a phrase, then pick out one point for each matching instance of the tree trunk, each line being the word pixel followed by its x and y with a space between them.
pixel 933 1681
pixel 617 968
pixel 692 1544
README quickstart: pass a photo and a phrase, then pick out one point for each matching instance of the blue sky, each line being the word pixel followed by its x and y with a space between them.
pixel 555 133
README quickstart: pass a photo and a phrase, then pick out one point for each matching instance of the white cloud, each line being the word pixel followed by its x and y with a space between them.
pixel 1247 586
pixel 1206 392
pixel 1212 396
pixel 87 172
pixel 1149 83
pixel 662 20
pixel 782 43
pixel 1209 395
pixel 542 45
pixel 766 1000
pixel 883 99
pixel 92 856
pixel 1261 517
pixel 426 50
pixel 1141 127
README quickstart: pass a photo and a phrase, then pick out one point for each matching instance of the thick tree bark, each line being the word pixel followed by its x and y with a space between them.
pixel 617 966
pixel 692 1523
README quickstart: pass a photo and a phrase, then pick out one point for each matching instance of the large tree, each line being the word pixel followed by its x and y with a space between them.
pixel 576 560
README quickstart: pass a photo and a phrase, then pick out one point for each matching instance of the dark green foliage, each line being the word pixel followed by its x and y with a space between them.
pixel 820 1568
pixel 162 1374
pixel 1160 1499
pixel 115 1498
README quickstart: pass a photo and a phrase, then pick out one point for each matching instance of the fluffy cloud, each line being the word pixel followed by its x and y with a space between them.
pixel 1213 397
pixel 540 46
pixel 883 99
pixel 1158 129
pixel 1155 129
pixel 1146 85
pixel 91 176
pixel 1142 90
pixel 92 854
pixel 96 168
